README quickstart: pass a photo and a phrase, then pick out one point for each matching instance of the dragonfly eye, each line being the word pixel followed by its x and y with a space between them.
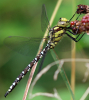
pixel 63 20
pixel 60 19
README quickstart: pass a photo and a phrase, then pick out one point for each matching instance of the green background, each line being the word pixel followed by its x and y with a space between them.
pixel 23 18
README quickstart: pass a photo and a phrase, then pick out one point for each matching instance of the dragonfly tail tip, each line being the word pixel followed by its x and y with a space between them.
pixel 6 94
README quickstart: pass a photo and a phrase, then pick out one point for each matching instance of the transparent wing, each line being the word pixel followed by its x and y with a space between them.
pixel 44 19
pixel 23 45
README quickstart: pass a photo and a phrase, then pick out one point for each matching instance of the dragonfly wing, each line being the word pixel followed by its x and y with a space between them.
pixel 44 19
pixel 23 45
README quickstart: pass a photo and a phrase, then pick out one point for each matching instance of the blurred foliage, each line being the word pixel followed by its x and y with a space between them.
pixel 23 18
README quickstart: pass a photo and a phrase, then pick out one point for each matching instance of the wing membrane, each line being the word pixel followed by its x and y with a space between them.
pixel 44 19
pixel 23 45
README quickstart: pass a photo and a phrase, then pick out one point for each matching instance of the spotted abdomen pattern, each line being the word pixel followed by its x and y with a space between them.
pixel 35 60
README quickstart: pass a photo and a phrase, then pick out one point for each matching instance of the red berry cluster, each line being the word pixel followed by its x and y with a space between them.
pixel 85 19
pixel 80 26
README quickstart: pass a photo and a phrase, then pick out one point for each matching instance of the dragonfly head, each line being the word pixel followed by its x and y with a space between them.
pixel 63 22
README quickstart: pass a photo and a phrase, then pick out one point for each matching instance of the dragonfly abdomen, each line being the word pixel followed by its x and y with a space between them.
pixel 35 60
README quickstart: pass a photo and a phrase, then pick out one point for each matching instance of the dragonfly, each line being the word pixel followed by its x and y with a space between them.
pixel 55 35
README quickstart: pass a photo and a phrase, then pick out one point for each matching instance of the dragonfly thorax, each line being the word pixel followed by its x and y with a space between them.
pixel 55 35
pixel 63 22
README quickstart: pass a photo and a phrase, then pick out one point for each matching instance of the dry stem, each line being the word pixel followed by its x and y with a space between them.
pixel 60 62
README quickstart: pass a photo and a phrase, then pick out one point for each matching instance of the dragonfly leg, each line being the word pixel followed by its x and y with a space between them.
pixel 73 16
pixel 75 39
pixel 73 32
pixel 78 16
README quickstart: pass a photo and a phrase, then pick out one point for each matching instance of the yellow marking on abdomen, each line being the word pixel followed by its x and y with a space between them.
pixel 58 36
